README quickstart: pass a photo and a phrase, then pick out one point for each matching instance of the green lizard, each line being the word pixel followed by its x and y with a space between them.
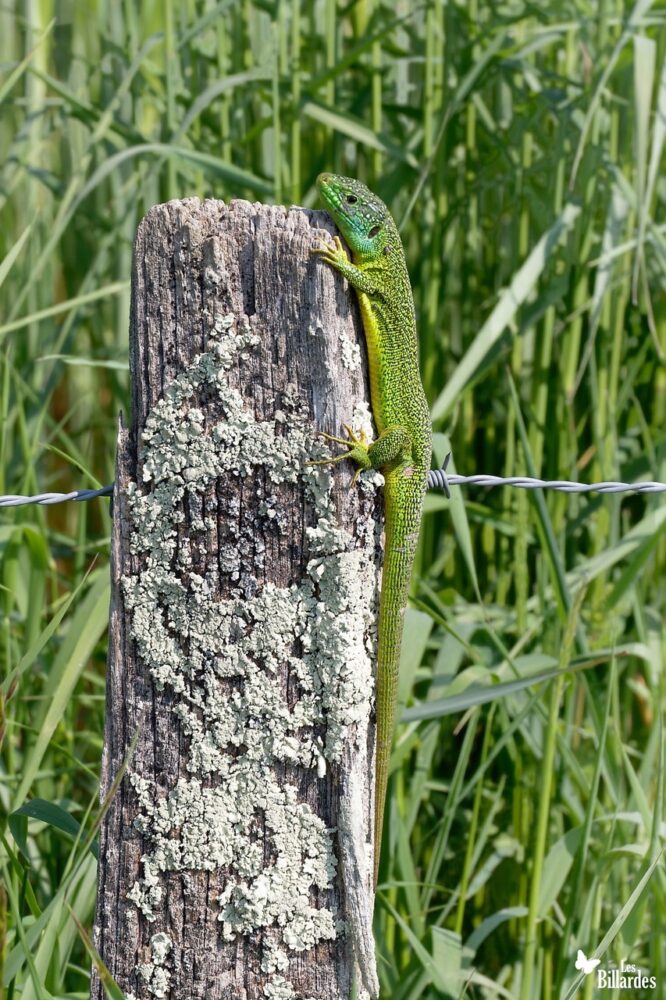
pixel 403 448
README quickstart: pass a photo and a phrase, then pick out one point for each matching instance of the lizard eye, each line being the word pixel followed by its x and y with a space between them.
pixel 373 232
pixel 351 199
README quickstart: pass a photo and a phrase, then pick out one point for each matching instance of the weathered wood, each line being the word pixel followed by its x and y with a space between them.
pixel 241 636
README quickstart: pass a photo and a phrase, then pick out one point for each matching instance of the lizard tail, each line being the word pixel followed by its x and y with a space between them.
pixel 402 508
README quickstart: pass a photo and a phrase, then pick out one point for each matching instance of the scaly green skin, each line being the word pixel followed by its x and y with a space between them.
pixel 402 451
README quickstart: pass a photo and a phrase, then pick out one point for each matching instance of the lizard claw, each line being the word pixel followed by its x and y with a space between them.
pixel 326 461
pixel 354 482
pixel 353 438
pixel 330 252
pixel 331 437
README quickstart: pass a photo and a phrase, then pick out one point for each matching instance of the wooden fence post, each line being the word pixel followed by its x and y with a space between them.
pixel 236 857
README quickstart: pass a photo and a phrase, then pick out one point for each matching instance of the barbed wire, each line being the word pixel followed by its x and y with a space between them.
pixel 44 499
pixel 438 479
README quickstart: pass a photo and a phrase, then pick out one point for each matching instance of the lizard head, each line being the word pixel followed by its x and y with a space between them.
pixel 362 217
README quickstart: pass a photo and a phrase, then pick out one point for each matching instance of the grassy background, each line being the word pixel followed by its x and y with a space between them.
pixel 520 147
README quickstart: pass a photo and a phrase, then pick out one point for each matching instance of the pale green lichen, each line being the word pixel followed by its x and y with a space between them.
pixel 147 892
pixel 350 354
pixel 273 958
pixel 223 661
pixel 154 973
pixel 281 989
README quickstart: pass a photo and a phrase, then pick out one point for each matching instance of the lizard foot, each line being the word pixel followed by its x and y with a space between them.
pixel 357 446
pixel 332 253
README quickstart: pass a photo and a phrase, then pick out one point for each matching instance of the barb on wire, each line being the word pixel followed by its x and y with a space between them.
pixel 438 479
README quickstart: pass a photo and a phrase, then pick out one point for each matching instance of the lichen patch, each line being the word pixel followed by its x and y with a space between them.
pixel 350 353
pixel 223 664
pixel 281 989
pixel 154 973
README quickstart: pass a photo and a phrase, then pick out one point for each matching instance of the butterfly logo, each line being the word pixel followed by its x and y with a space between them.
pixel 585 964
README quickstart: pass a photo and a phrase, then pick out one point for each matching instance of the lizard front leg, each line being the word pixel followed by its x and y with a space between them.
pixel 334 254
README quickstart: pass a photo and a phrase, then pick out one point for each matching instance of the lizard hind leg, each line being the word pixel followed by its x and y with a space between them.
pixel 393 445
pixel 357 450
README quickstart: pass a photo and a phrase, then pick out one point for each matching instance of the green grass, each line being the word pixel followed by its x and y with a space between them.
pixel 521 148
